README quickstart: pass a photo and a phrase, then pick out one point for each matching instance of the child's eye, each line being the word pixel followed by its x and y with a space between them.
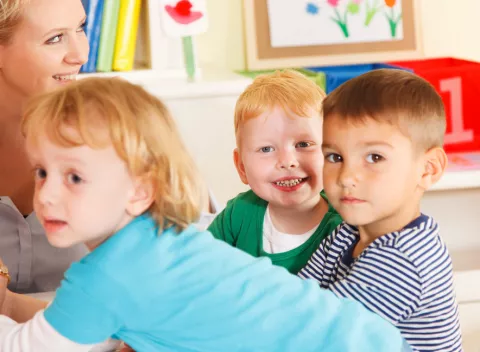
pixel 266 149
pixel 55 39
pixel 303 144
pixel 374 158
pixel 74 179
pixel 333 158
pixel 40 173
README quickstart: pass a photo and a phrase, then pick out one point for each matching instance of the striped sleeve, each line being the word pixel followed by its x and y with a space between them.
pixel 317 263
pixel 384 281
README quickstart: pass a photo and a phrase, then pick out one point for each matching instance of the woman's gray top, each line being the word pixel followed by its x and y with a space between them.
pixel 34 265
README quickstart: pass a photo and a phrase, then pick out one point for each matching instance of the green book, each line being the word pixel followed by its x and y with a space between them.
pixel 108 35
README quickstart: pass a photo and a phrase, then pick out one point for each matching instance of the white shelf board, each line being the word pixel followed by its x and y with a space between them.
pixel 173 84
pixel 453 180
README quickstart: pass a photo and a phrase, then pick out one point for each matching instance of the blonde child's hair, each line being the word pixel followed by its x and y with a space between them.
pixel 10 16
pixel 289 90
pixel 112 111
pixel 392 96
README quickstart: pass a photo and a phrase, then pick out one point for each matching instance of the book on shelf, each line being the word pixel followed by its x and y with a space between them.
pixel 108 35
pixel 128 18
pixel 111 29
pixel 94 11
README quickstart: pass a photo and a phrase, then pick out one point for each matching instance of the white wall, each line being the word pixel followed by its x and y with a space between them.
pixel 451 27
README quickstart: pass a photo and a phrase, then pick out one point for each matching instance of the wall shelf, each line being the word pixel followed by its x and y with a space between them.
pixel 210 83
pixel 457 180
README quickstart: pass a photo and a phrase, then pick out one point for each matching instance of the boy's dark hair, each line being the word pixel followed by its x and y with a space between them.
pixel 392 96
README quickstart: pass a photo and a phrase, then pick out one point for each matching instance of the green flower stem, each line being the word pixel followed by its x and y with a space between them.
pixel 369 17
pixel 393 28
pixel 371 10
pixel 393 23
pixel 342 24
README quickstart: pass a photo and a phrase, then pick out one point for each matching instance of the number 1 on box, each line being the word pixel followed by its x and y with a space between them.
pixel 458 134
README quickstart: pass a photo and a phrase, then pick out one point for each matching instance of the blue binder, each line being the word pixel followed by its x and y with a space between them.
pixel 94 11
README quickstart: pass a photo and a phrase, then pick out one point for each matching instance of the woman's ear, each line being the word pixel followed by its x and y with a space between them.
pixel 435 163
pixel 237 159
pixel 144 192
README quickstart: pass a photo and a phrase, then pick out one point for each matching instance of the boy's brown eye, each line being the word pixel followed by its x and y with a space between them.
pixel 374 158
pixel 333 158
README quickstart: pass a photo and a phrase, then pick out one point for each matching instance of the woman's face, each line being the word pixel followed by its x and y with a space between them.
pixel 47 49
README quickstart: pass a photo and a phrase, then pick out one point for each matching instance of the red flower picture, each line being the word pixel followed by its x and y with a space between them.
pixel 182 12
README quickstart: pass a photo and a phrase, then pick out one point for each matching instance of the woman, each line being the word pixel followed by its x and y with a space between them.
pixel 42 46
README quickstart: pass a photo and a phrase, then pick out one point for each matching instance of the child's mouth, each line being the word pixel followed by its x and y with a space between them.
pixel 53 225
pixel 290 183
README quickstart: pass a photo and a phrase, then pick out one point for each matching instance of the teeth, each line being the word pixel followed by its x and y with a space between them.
pixel 289 183
pixel 65 77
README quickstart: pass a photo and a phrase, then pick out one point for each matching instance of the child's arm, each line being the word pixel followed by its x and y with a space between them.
pixel 64 326
pixel 385 281
pixel 36 335
pixel 18 307
pixel 239 217
pixel 316 264
pixel 221 227
pixel 21 308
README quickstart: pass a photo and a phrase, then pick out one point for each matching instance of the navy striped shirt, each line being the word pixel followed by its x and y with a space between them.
pixel 404 276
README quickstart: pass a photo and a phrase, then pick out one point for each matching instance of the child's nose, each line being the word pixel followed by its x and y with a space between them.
pixel 287 160
pixel 348 177
pixel 48 192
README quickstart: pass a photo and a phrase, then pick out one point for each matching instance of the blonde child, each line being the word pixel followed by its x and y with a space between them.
pixel 382 141
pixel 112 172
pixel 285 215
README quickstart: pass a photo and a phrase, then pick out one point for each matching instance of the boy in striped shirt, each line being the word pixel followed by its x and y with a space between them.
pixel 382 142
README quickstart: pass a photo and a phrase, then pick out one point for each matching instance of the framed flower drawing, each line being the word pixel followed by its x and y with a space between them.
pixel 296 33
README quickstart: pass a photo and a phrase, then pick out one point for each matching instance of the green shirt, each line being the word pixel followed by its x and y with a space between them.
pixel 241 225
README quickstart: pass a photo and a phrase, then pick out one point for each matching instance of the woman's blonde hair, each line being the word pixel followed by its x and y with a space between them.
pixel 112 111
pixel 10 17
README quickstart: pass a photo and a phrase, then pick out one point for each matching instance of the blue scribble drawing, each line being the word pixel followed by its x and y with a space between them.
pixel 312 8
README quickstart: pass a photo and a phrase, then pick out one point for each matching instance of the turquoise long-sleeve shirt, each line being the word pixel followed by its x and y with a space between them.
pixel 191 292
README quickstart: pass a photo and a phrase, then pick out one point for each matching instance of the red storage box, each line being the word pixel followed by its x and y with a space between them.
pixel 458 83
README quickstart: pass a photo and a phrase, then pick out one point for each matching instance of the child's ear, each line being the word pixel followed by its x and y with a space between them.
pixel 435 163
pixel 142 197
pixel 237 159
